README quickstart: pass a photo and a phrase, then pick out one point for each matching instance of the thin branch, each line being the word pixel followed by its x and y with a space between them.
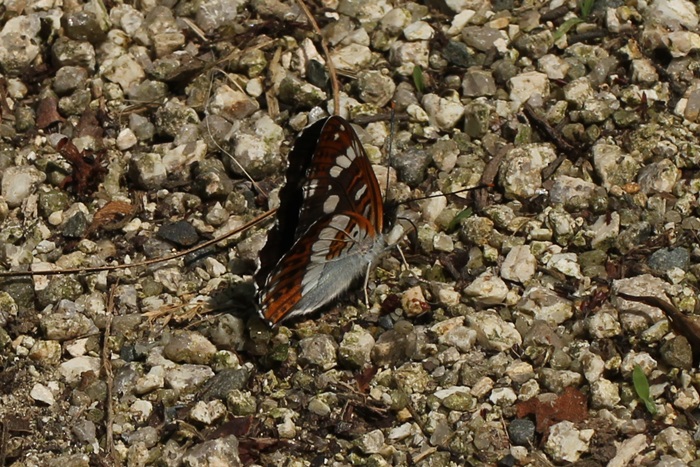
pixel 180 254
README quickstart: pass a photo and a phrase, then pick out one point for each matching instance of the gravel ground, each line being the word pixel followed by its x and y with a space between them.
pixel 515 336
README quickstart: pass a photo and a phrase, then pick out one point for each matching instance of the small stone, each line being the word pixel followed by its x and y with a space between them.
pixel 142 127
pixel 525 85
pixel 67 324
pixel 319 407
pixel 141 409
pixel 519 265
pixel 189 347
pixel 207 412
pixel 148 170
pixel 46 352
pixel 553 66
pixel 187 377
pixel 605 231
pixel 181 233
pixel 613 166
pixel 126 139
pixel 480 38
pixel 418 31
pixel 123 70
pixel 75 367
pixel 604 394
pixel 659 177
pixel 593 366
pixel 461 337
pixel 520 372
pixel 174 115
pixel 413 378
pixel 628 450
pixel 412 165
pixel 503 397
pixel 493 332
pixel 43 394
pixel 566 263
pixel 458 54
pixel 371 442
pixel 573 193
pixel 375 87
pixel 391 347
pixel 521 171
pixel 352 58
pixel 677 353
pixel 534 44
pixel 356 347
pixel 243 403
pixel 673 13
pixel 443 242
pixel 18 183
pixel 318 350
pixel 676 442
pixel 683 43
pixel 487 289
pixel 687 399
pixel 603 325
pixel 408 55
pixel 85 431
pixel 231 104
pixel 566 443
pixel 154 379
pixel 211 180
pixel 448 296
pixel 546 305
pixel 443 112
pixel 666 259
pixel 521 431
pixel 221 451
pixel 578 92
pixel 477 83
pixel 413 302
pixel 633 359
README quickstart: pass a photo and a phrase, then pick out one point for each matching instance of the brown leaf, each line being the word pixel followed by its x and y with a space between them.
pixel 47 112
pixel 364 378
pixel 112 216
pixel 88 170
pixel 88 125
pixel 571 405
pixel 237 426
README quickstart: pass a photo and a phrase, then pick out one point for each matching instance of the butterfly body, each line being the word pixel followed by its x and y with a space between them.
pixel 329 227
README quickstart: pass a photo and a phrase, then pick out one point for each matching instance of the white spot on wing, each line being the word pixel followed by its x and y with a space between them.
pixel 344 161
pixel 335 171
pixel 360 193
pixel 330 204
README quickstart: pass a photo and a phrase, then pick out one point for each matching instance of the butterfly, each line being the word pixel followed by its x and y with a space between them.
pixel 329 228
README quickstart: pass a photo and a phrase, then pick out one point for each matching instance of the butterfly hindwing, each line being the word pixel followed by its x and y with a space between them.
pixel 321 264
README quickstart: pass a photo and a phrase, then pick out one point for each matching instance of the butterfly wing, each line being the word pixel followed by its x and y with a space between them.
pixel 322 264
pixel 340 178
pixel 340 219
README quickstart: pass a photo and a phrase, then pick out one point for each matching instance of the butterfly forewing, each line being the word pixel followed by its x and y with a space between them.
pixel 340 178
pixel 338 230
